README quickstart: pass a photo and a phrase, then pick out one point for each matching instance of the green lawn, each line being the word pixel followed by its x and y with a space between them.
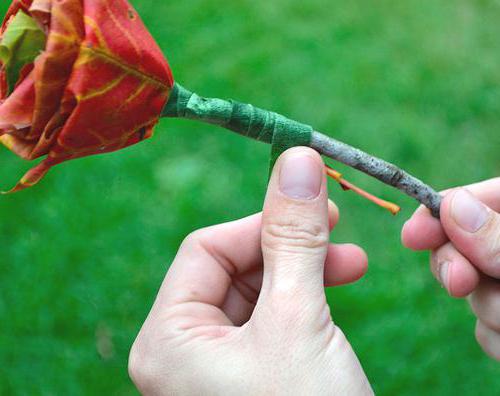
pixel 416 82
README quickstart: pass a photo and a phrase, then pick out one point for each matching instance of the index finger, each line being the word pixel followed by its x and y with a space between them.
pixel 209 258
pixel 424 232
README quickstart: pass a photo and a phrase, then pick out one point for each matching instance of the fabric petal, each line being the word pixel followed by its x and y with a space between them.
pixel 16 112
pixel 115 29
pixel 99 86
pixel 32 177
pixel 53 68
pixel 127 80
pixel 18 145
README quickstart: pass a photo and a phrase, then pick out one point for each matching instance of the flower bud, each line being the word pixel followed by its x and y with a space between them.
pixel 94 82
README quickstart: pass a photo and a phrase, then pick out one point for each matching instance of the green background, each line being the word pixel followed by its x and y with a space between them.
pixel 416 82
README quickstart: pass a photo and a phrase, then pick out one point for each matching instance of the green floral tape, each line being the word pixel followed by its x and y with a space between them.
pixel 245 119
pixel 289 134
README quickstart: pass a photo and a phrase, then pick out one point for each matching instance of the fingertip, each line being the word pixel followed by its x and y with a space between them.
pixel 363 259
pixel 413 236
pixel 359 256
pixel 474 229
pixel 298 177
pixel 345 263
pixel 301 151
pixel 423 232
pixel 454 271
pixel 463 279
pixel 407 235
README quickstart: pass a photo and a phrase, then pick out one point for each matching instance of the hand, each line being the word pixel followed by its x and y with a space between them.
pixel 243 310
pixel 465 247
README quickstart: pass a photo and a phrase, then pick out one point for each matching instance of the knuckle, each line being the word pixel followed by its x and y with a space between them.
pixel 143 369
pixel 294 234
pixel 138 365
pixel 195 239
pixel 339 340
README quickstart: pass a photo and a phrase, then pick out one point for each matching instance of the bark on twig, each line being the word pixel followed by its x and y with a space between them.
pixel 384 171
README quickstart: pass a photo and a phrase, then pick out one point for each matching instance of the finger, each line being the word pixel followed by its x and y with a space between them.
pixel 295 235
pixel 488 339
pixel 209 258
pixel 226 250
pixel 485 302
pixel 455 273
pixel 474 229
pixel 345 263
pixel 354 264
pixel 237 306
pixel 424 232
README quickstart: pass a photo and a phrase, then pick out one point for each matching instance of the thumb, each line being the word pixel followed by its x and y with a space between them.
pixel 295 232
pixel 474 229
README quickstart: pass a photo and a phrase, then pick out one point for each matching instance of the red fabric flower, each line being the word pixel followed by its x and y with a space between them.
pixel 99 85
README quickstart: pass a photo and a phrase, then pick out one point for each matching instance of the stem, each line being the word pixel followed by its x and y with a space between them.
pixel 260 124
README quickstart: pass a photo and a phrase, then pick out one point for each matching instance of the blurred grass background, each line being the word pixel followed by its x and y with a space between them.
pixel 416 82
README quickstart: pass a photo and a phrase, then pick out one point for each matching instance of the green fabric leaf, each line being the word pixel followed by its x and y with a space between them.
pixel 22 42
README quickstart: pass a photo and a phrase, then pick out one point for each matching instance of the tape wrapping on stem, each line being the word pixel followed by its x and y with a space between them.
pixel 262 125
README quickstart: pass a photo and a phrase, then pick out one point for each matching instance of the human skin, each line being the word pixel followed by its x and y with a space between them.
pixel 242 309
pixel 465 248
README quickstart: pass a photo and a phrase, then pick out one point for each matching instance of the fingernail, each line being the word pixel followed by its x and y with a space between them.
pixel 443 273
pixel 468 212
pixel 301 176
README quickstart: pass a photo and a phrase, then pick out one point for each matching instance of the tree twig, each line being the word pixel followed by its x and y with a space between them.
pixel 384 171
